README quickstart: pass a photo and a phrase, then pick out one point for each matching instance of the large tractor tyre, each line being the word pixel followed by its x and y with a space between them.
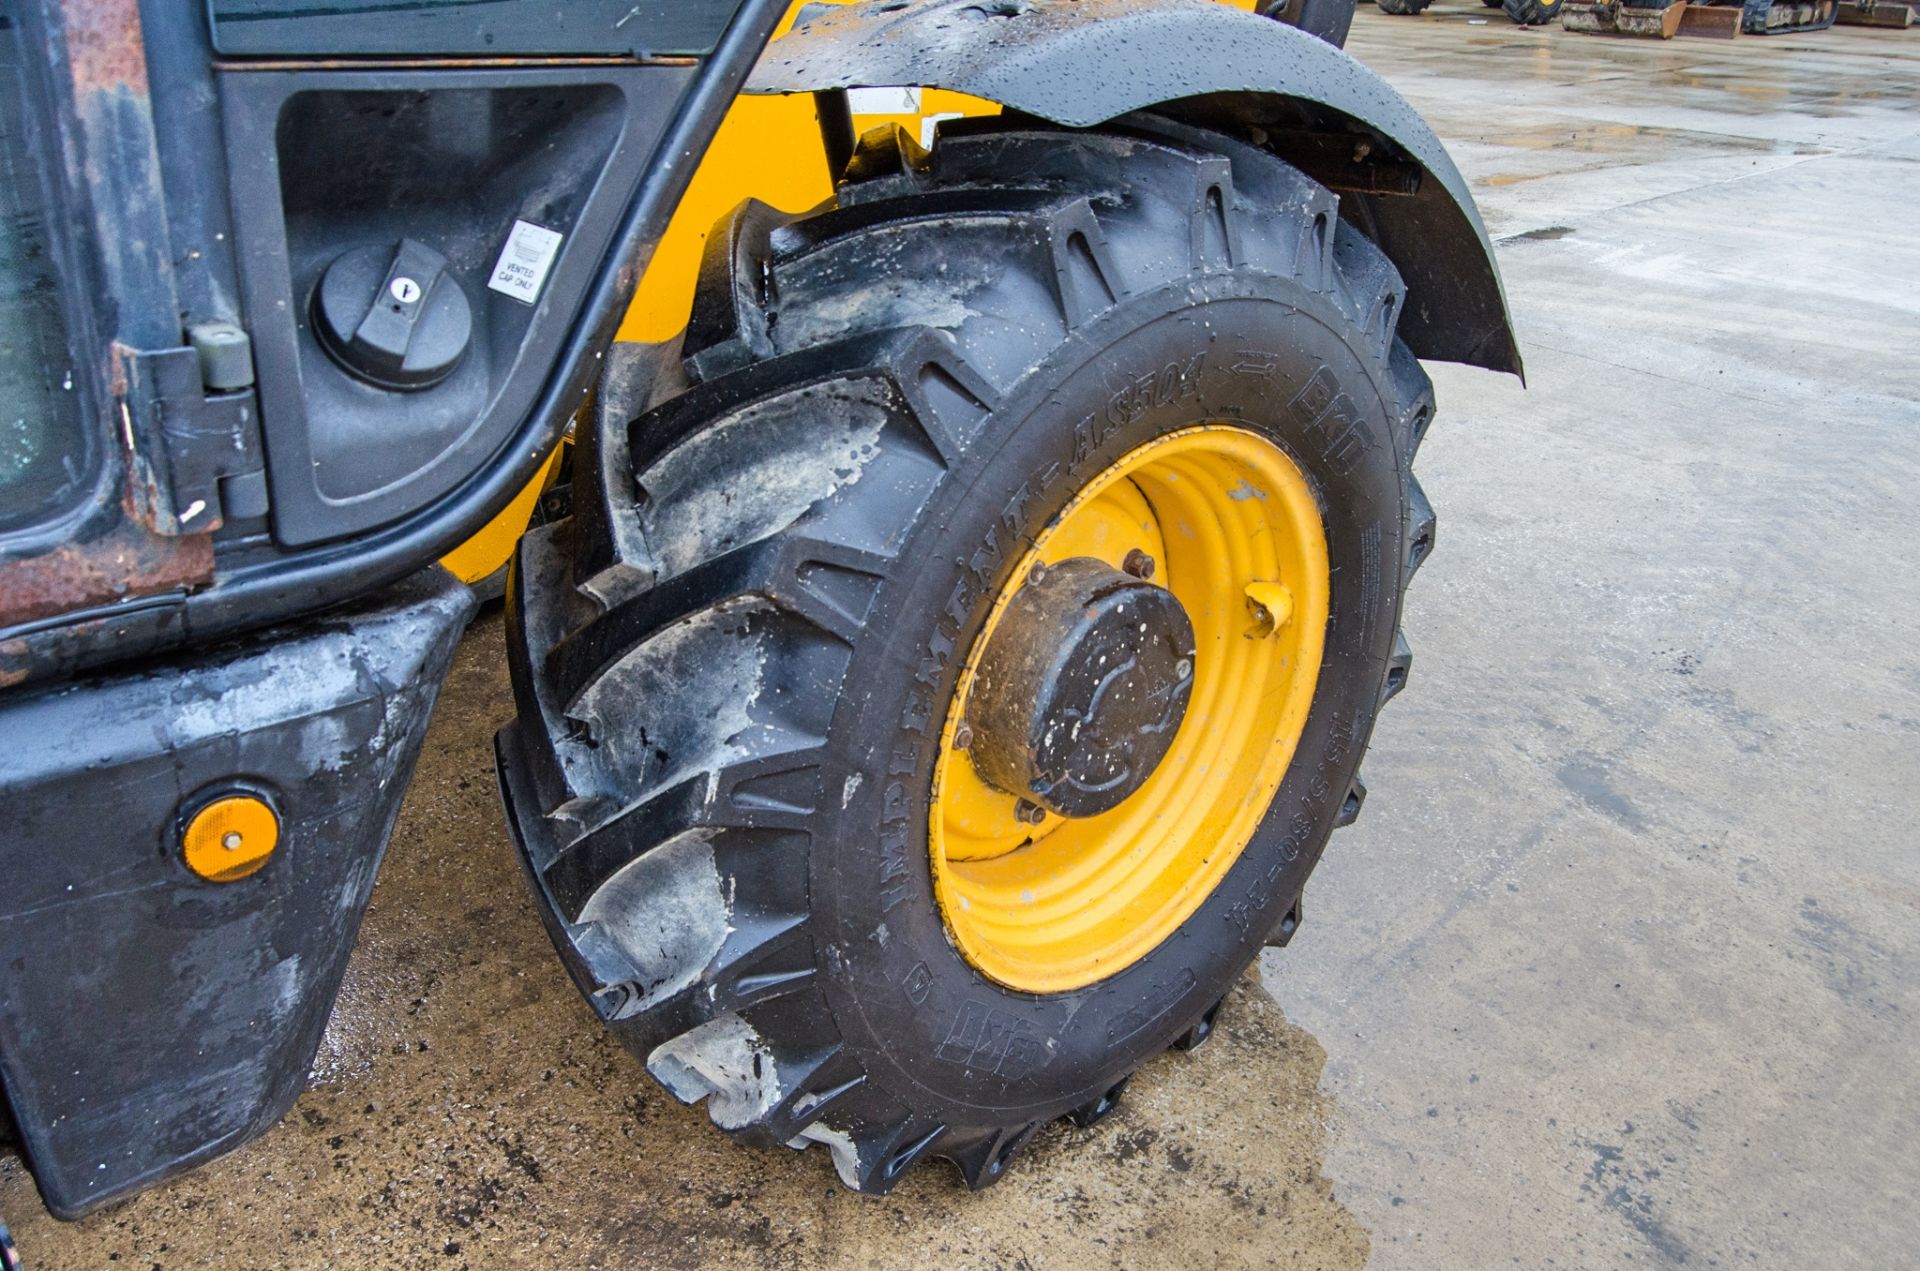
pixel 941 698
pixel 1533 12
pixel 1403 7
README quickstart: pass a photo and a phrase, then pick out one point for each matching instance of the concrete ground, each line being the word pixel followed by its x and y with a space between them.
pixel 1621 964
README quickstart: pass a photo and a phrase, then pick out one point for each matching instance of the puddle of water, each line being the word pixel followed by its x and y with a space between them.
pixel 1610 138
pixel 1538 235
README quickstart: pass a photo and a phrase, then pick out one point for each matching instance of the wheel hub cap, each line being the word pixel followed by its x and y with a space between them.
pixel 1082 688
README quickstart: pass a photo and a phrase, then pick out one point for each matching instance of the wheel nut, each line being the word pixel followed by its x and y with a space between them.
pixel 1037 573
pixel 1027 812
pixel 962 736
pixel 1138 563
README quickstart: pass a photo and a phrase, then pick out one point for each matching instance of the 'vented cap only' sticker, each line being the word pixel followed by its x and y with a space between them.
pixel 524 261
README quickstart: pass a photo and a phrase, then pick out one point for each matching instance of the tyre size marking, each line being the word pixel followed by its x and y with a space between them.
pixel 1369 580
pixel 1247 910
pixel 985 1039
pixel 1342 737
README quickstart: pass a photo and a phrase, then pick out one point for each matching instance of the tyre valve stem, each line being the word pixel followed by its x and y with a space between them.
pixel 1271 605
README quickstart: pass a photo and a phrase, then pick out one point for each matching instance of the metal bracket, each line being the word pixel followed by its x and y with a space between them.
pixel 1347 162
pixel 196 454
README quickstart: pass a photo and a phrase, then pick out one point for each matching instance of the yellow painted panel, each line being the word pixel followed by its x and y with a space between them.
pixel 492 547
pixel 768 148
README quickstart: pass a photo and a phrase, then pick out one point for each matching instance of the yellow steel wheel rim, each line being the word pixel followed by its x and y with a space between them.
pixel 1236 535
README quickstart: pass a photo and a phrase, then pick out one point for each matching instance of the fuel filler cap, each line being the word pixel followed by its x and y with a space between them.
pixel 393 315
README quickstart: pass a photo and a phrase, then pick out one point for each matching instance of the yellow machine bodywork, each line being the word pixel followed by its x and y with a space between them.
pixel 767 148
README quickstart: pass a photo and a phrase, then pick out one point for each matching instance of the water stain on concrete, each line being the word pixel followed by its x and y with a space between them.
pixel 1626 1190
pixel 1587 777
pixel 467 1110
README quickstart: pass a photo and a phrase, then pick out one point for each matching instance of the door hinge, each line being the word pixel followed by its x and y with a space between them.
pixel 191 425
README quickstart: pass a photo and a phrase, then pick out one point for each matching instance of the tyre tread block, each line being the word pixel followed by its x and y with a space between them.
pixel 982 1156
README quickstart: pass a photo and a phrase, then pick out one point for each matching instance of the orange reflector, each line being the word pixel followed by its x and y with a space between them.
pixel 230 838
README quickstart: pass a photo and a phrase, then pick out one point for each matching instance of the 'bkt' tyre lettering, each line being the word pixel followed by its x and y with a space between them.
pixel 1329 415
pixel 988 1040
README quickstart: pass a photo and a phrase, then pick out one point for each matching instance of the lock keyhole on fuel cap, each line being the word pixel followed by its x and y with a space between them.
pixel 393 314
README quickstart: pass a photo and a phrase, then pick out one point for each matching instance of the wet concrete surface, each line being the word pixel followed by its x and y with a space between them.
pixel 1619 965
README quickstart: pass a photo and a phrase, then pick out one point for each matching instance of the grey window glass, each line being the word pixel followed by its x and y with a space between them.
pixel 42 442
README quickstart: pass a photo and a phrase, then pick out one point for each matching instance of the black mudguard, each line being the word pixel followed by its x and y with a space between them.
pixel 1085 63
pixel 150 1020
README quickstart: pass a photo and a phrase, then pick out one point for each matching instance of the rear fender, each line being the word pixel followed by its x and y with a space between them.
pixel 1207 63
